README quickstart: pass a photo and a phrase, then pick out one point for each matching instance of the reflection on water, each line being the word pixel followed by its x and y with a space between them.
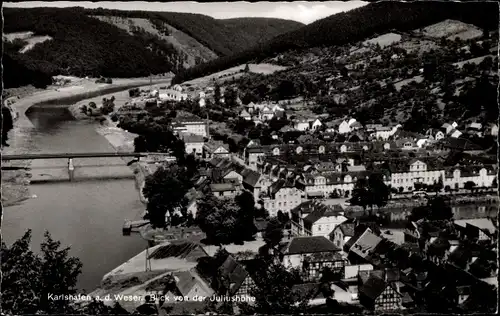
pixel 85 215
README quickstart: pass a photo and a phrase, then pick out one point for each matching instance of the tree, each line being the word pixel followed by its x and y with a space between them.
pixel 273 233
pixel 226 221
pixel 370 193
pixel 217 94
pixel 247 69
pixel 7 124
pixel 28 278
pixel 469 185
pixel 165 191
pixel 274 293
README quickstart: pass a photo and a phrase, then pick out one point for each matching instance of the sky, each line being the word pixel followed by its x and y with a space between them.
pixel 302 11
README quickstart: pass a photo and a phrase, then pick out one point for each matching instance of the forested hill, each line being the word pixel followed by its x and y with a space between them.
pixel 70 41
pixel 355 25
pixel 224 37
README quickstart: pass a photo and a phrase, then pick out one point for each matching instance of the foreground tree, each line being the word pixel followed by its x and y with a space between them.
pixel 370 193
pixel 273 234
pixel 28 278
pixel 274 293
pixel 165 191
pixel 224 221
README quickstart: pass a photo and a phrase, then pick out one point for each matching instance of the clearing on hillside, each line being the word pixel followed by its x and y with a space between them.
pixel 452 29
pixel 383 40
pixel 28 37
pixel 180 40
pixel 235 72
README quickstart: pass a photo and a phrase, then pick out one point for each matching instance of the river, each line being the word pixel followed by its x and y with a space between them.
pixel 85 215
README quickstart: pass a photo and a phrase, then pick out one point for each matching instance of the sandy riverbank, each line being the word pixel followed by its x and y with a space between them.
pixel 15 182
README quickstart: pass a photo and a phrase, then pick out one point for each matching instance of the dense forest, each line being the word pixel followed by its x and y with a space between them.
pixel 84 46
pixel 355 25
pixel 224 37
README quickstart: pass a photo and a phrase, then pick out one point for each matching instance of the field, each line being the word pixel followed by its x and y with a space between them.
pixel 235 72
pixel 384 40
pixel 27 37
pixel 451 29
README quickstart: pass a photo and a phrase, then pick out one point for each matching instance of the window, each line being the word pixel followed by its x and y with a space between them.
pixel 319 228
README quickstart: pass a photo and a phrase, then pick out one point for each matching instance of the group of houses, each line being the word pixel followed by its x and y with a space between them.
pixel 369 270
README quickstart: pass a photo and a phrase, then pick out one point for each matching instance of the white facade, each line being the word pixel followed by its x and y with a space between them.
pixel 326 224
pixel 417 173
pixel 302 125
pixel 192 127
pixel 194 147
pixel 344 128
pixel 481 178
pixel 316 124
pixel 284 200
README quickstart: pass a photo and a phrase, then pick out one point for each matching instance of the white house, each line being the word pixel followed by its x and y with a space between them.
pixel 447 128
pixel 190 126
pixel 282 196
pixel 213 149
pixel 416 171
pixel 312 218
pixel 456 177
pixel 455 133
pixel 342 233
pixel 439 135
pixel 266 114
pixel 344 127
pixel 297 251
pixel 193 144
pixel 316 124
pixel 245 115
pixel 301 125
pixel 202 102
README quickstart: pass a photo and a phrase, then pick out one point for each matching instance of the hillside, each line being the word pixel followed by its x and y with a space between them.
pixel 83 42
pixel 356 25
pixel 223 37
pixel 417 81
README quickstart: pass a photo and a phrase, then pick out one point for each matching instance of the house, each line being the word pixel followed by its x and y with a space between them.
pixel 316 124
pixel 282 196
pixel 361 246
pixel 439 135
pixel 193 143
pixel 405 175
pixel 480 228
pixel 344 127
pixel 379 290
pixel 201 102
pixel 455 133
pixel 312 218
pixel 492 130
pixel 266 114
pixel 190 126
pixel 253 182
pixel 245 115
pixel 481 176
pixel 301 125
pixel 298 251
pixel 188 284
pixel 446 128
pixel 342 233
pixel 225 190
pixel 213 149
pixel 240 274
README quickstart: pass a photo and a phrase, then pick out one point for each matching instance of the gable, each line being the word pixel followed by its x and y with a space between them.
pixel 221 150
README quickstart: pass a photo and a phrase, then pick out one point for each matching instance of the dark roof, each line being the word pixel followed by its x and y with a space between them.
pixel 312 244
pixel 250 177
pixel 181 250
pixel 279 184
pixel 322 212
pixel 373 287
pixel 235 273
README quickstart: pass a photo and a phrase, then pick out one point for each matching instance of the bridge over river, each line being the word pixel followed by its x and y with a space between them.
pixel 74 166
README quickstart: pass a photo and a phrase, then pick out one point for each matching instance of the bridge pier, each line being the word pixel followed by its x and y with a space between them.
pixel 71 169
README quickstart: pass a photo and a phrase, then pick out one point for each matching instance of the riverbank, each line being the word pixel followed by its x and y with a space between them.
pixel 16 189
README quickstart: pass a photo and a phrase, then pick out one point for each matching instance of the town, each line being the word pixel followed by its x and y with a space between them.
pixel 354 178
pixel 370 215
